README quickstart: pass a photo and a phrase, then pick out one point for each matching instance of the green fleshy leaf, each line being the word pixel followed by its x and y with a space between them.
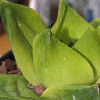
pixel 95 23
pixel 57 65
pixel 70 26
pixel 98 81
pixel 14 87
pixel 89 47
pixel 22 24
pixel 72 93
pixel 27 20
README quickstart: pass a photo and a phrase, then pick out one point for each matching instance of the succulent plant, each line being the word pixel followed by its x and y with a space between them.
pixel 65 58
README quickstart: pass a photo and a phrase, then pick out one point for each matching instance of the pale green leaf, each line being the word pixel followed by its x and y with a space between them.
pixel 72 93
pixel 70 26
pixel 22 24
pixel 57 65
pixel 14 87
pixel 95 23
pixel 89 47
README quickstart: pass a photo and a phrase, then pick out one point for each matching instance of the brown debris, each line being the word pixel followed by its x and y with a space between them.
pixel 30 86
pixel 9 67
pixel 38 89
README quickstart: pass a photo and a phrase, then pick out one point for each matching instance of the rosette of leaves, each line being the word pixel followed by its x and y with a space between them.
pixel 65 58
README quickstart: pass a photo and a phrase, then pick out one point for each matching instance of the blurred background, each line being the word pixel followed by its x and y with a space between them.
pixel 88 9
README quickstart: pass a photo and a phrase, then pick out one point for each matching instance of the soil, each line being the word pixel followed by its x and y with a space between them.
pixel 9 67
